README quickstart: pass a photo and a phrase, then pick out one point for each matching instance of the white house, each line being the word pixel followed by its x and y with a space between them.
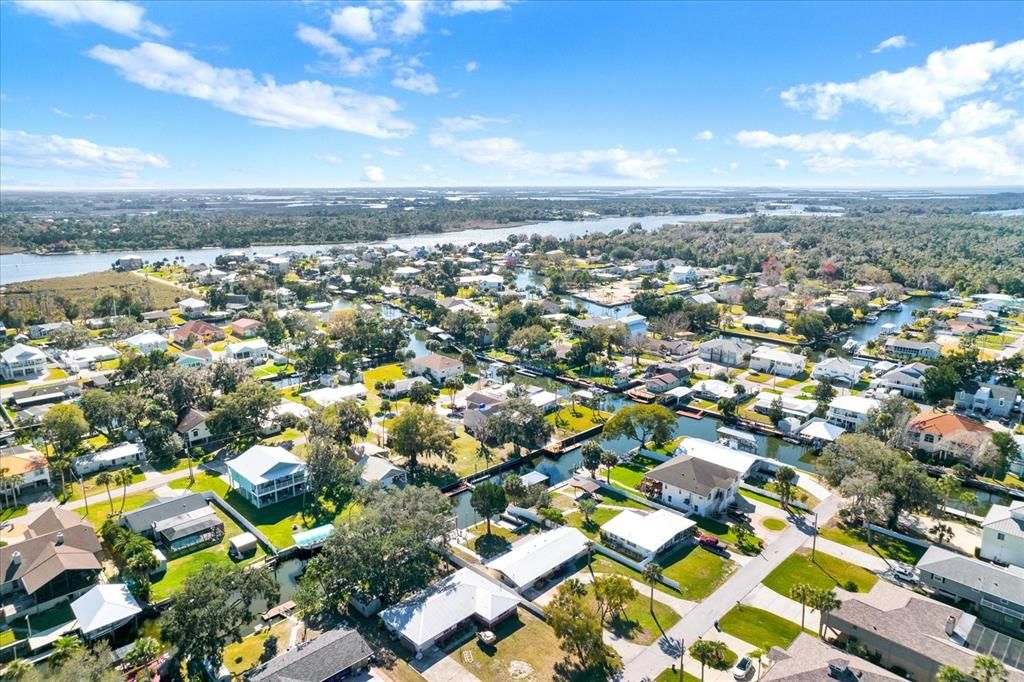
pixel 714 390
pixel 791 406
pixel 406 272
pixel 335 394
pixel 683 274
pixel 21 361
pixel 437 368
pixel 729 352
pixel 1002 534
pixel 193 307
pixel 763 324
pixel 850 411
pixel 692 484
pixel 379 470
pixel 279 265
pixel 110 458
pixel 994 400
pixel 251 351
pixel 85 357
pixel 777 362
pixel 836 370
pixel 193 427
pixel 147 342
pixel 646 535
pixel 486 282
pixel 908 380
pixel 105 608
pixel 266 474
pixel 539 556
pixel 913 349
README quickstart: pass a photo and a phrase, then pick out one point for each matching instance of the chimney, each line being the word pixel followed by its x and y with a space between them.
pixel 950 625
pixel 60 538
pixel 16 558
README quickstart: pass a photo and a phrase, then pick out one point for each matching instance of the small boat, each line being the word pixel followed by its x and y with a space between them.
pixel 871 317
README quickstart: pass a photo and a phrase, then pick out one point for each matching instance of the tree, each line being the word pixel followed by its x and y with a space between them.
pixel 341 422
pixel 63 649
pixel 418 431
pixel 652 576
pixel 785 480
pixel 591 454
pixel 942 533
pixel 515 490
pixel 63 428
pixel 269 649
pixel 241 414
pixel 123 477
pixel 20 669
pixel 988 669
pixel 105 478
pixel 82 663
pixel 939 383
pixel 421 393
pixel 641 423
pixel 578 628
pixel 330 473
pixel 453 385
pixel 587 507
pixel 804 594
pixel 775 411
pixel 210 609
pixel 948 673
pixel 102 411
pixel 613 594
pixel 825 602
pixel 521 422
pixel 812 326
pixel 487 500
pixel 608 460
pixel 146 649
pixel 708 652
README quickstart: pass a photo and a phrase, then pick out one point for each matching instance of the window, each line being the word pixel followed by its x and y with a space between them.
pixel 1000 536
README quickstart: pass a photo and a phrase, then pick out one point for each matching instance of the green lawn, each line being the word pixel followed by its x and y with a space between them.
pixel 668 676
pixel 592 528
pixel 614 497
pixel 100 511
pixel 584 418
pixel 13 512
pixel 94 488
pixel 524 639
pixel 240 657
pixel 630 474
pixel 637 624
pixel 757 497
pixel 760 628
pixel 603 564
pixel 773 524
pixel 825 572
pixel 890 548
pixel 698 571
pixel 50 618
pixel 722 531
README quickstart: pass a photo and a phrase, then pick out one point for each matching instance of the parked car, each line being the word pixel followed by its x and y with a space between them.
pixel 708 540
pixel 742 669
pixel 905 572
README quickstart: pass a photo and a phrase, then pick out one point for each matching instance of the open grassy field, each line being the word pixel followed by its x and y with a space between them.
pixel 637 623
pixel 83 290
pixel 760 628
pixel 584 418
pixel 883 545
pixel 698 571
pixel 825 573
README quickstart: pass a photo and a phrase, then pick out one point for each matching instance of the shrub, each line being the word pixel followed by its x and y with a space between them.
pixel 850 586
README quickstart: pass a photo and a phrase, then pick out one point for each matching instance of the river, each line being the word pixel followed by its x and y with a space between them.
pixel 863 333
pixel 19 267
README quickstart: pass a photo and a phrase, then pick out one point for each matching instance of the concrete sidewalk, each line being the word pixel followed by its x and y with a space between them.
pixel 871 562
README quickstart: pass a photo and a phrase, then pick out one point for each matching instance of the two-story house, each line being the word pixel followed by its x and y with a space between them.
pixel 947 436
pixel 21 362
pixel 437 368
pixel 1002 534
pixel 251 352
pixel 691 484
pixel 995 594
pixel 266 474
pixel 777 362
pixel 836 370
pixel 193 427
pixel 907 348
pixel 988 399
pixel 850 411
pixel 908 380
pixel 728 352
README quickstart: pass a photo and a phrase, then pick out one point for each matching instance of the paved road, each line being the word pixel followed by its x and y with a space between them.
pixel 662 654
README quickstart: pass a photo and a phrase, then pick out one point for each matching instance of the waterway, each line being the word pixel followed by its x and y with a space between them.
pixel 19 267
pixel 863 333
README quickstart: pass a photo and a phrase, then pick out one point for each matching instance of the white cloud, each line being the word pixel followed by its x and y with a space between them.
pixel 506 152
pixel 354 22
pixel 408 78
pixel 472 66
pixel 60 112
pixel 991 156
pixel 304 104
pixel 704 135
pixel 974 117
pixel 125 18
pixel 782 163
pixel 349 63
pixel 410 20
pixel 464 6
pixel 390 151
pixel 918 92
pixel 373 174
pixel 892 43
pixel 734 165
pixel 328 158
pixel 73 154
pixel 462 124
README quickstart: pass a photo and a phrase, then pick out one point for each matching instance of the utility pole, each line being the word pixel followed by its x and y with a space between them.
pixel 814 537
pixel 682 655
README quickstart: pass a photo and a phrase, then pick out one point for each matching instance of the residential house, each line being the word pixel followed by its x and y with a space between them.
pixel 278 265
pixel 193 308
pixel 41 331
pixel 539 556
pixel 1002 534
pixel 194 357
pixel 402 387
pixel 246 328
pixel 438 368
pixel 21 362
pixel 193 427
pixel 918 636
pixel 266 474
pixel 160 318
pixel 808 659
pixel 405 272
pixel 646 535
pixel 907 348
pixel 335 394
pixel 994 594
pixel 692 485
pixel 85 358
pixel 636 324
pixel 667 348
pixel 777 362
pixel 432 616
pixel 177 524
pixel 28 463
pixel 49 393
pixel 791 406
pixel 907 380
pixel 129 262
pixel 113 457
pixel 836 370
pixel 198 329
pixel 988 399
pixel 683 274
pixel 483 404
pixel 850 411
pixel 728 352
pixel 210 276
pixel 947 436
pixel 251 352
pixel 335 655
pixel 380 471
pixel 484 282
pixel 714 390
pixel 665 381
pixel 147 342
pixel 59 557
pixel 104 609
pixel 763 324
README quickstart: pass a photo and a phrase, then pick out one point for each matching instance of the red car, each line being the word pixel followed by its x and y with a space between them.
pixel 708 540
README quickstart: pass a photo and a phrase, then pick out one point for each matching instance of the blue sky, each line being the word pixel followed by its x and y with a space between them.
pixel 474 92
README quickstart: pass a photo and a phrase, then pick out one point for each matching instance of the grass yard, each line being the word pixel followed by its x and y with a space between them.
pixel 100 511
pixel 524 643
pixel 12 512
pixel 585 418
pixel 722 531
pixel 760 628
pixel 773 523
pixel 885 546
pixel 94 488
pixel 630 474
pixel 698 571
pixel 637 624
pixel 668 675
pixel 592 528
pixel 240 657
pixel 498 541
pixel 757 497
pixel 50 618
pixel 615 498
pixel 603 564
pixel 825 572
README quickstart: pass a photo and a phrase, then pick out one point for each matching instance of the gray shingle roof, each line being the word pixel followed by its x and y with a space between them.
pixel 695 475
pixel 989 579
pixel 143 518
pixel 327 655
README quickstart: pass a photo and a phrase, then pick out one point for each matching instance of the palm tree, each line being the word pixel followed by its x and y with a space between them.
pixel 652 576
pixel 63 649
pixel 707 651
pixel 803 593
pixel 948 673
pixel 608 459
pixel 124 478
pixel 988 669
pixel 453 385
pixel 574 587
pixel 105 479
pixel 11 483
pixel 942 532
pixel 18 668
pixel 825 601
pixel 758 655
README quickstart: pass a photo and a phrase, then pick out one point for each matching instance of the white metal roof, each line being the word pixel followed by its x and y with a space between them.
pixel 333 394
pixel 462 594
pixel 20 352
pixel 531 558
pixel 822 430
pixel 648 531
pixel 103 605
pixel 741 462
pixel 263 463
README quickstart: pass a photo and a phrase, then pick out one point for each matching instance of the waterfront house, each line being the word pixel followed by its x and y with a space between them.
pixel 147 342
pixel 104 609
pixel 335 655
pixel 193 308
pixel 21 362
pixel 1002 534
pixel 246 328
pixel 683 274
pixel 836 370
pixel 928 350
pixel 907 380
pixel 266 474
pixel 692 484
pixel 763 324
pixel 776 361
pixel 646 535
pixel 723 351
pixel 947 436
pixel 539 556
pixel 850 411
pixel 437 368
pixel 177 524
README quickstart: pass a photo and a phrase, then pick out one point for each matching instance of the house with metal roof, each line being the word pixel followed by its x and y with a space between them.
pixel 266 474
pixel 21 361
pixel 104 609
pixel 646 535
pixel 334 655
pixel 539 556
